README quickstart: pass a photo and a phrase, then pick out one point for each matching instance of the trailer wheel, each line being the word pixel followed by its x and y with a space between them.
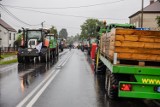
pixel 112 86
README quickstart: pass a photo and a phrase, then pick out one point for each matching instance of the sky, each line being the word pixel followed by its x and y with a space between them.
pixel 68 14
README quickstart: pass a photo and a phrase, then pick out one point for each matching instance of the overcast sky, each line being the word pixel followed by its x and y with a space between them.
pixel 60 14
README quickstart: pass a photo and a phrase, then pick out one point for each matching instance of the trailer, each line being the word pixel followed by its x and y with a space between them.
pixel 130 59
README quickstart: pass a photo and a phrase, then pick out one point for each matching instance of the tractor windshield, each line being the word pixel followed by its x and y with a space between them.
pixel 34 35
pixel 93 40
pixel 49 37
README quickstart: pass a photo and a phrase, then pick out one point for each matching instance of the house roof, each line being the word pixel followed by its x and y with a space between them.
pixel 6 26
pixel 152 8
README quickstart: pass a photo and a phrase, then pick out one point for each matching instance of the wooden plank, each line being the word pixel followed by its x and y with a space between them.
pixel 141 63
pixel 136 38
pixel 157 40
pixel 132 45
pixel 147 39
pixel 136 50
pixel 144 57
pixel 120 38
pixel 127 38
pixel 118 31
pixel 137 44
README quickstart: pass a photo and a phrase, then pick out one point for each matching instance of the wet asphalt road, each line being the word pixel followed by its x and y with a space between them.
pixel 68 82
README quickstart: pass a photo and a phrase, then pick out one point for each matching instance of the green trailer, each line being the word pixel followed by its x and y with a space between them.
pixel 131 80
pixel 130 59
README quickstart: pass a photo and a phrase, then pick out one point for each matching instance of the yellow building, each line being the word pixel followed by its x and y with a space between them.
pixel 150 13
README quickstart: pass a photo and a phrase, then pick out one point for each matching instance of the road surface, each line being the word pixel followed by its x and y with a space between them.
pixel 67 82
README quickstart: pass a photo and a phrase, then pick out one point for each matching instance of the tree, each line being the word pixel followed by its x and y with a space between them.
pixel 89 28
pixel 158 20
pixel 53 30
pixel 19 38
pixel 63 33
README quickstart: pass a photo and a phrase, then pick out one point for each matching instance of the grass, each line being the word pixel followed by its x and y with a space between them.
pixel 7 55
pixel 8 62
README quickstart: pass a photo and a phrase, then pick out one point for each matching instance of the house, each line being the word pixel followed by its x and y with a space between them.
pixel 7 35
pixel 150 13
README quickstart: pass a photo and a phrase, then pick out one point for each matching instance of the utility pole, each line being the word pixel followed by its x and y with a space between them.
pixel 0 36
pixel 142 14
pixel 0 11
pixel 42 24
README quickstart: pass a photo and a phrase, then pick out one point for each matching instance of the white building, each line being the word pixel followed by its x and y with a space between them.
pixel 8 36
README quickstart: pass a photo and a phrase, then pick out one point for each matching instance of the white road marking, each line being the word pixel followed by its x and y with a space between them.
pixel 66 60
pixel 31 94
pixel 40 85
pixel 63 60
pixel 60 63
pixel 30 104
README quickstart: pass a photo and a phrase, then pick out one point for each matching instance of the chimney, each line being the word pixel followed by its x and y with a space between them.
pixel 151 1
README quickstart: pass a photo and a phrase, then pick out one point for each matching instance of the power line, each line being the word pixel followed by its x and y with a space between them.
pixel 16 18
pixel 9 13
pixel 70 27
pixel 6 16
pixel 62 14
pixel 83 6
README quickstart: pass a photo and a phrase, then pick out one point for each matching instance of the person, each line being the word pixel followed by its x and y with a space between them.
pixel 70 46
pixel 61 45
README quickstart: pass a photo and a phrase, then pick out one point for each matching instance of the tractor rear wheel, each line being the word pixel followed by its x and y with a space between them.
pixel 100 67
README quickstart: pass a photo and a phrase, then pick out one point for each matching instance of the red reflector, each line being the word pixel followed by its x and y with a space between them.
pixel 126 87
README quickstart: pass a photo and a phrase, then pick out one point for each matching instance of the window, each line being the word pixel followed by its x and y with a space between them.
pixel 0 41
pixel 137 24
pixel 9 36
pixel 34 35
pixel 14 36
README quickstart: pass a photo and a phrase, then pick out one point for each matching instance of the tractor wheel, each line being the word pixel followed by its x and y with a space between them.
pixel 44 58
pixel 27 59
pixel 112 86
pixel 51 55
pixel 20 59
pixel 89 53
pixel 100 69
pixel 57 53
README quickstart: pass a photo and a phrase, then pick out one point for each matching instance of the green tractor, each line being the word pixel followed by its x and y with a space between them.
pixel 53 46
